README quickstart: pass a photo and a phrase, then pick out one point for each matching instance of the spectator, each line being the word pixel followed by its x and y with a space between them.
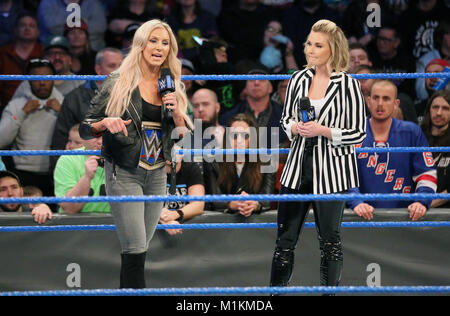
pixel 83 57
pixel 297 23
pixel 76 103
pixel 418 24
pixel 366 84
pixel 10 187
pixel 278 52
pixel 435 127
pixel 207 109
pixel 212 6
pixel 187 69
pixel 75 141
pixel 189 180
pixel 31 191
pixel 126 13
pixel 388 173
pixel 358 56
pixel 442 51
pixel 434 66
pixel 243 175
pixel 81 176
pixel 258 105
pixel 10 11
pixel 213 59
pixel 279 96
pixel 127 38
pixel 242 27
pixel 58 53
pixel 27 123
pixel 388 57
pixel 15 56
pixel 188 20
pixel 53 16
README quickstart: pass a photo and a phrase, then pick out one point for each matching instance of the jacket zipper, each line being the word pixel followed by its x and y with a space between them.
pixel 135 124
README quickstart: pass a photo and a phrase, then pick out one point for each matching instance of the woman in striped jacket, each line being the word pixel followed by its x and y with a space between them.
pixel 322 157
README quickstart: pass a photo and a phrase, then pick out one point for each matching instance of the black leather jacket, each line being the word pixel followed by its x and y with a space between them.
pixel 117 148
pixel 211 175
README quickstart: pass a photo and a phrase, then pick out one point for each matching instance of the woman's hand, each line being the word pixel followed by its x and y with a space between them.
pixel 171 102
pixel 114 125
pixel 310 129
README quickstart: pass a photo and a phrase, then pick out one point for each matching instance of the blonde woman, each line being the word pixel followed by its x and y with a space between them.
pixel 322 157
pixel 137 139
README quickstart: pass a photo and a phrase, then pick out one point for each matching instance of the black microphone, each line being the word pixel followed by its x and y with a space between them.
pixel 307 112
pixel 166 85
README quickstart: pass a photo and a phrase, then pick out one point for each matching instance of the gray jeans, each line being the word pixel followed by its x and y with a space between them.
pixel 135 222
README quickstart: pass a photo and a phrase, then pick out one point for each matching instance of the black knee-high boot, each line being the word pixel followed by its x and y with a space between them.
pixel 132 271
pixel 331 262
pixel 282 263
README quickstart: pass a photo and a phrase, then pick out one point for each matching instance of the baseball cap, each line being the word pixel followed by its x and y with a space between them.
pixel 57 41
pixel 186 63
pixel 9 174
pixel 438 61
pixel 37 63
pixel 130 30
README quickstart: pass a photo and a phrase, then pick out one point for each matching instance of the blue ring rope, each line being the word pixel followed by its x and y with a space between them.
pixel 232 77
pixel 252 151
pixel 59 228
pixel 230 197
pixel 236 290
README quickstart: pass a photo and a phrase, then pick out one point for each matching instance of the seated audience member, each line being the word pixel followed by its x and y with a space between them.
pixel 435 126
pixel 258 105
pixel 77 102
pixel 441 51
pixel 206 109
pixel 278 52
pixel 10 11
pixel 83 57
pixel 81 176
pixel 27 124
pixel 53 16
pixel 434 66
pixel 127 38
pixel 15 56
pixel 57 51
pixel 280 95
pixel 358 57
pixel 388 172
pixel 10 187
pixel 243 174
pixel 189 181
pixel 75 141
pixel 187 69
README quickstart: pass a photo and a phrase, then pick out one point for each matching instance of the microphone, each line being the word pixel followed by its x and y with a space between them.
pixel 307 112
pixel 166 85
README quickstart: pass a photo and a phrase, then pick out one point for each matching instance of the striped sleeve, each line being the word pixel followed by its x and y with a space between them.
pixel 356 132
pixel 289 115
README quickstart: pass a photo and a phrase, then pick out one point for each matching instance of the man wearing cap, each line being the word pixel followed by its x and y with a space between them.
pixel 257 104
pixel 14 57
pixel 434 66
pixel 10 187
pixel 83 57
pixel 27 124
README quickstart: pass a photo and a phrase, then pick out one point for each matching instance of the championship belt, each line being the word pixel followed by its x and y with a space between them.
pixel 152 156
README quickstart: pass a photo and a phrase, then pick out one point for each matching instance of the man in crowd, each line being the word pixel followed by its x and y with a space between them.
pixel 10 187
pixel 388 172
pixel 15 56
pixel 81 175
pixel 27 124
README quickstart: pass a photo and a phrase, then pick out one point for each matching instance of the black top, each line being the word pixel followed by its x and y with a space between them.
pixel 151 112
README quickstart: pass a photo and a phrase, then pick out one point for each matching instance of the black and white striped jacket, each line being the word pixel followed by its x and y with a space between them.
pixel 335 168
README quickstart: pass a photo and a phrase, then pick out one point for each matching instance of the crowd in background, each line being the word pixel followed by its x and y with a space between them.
pixel 214 37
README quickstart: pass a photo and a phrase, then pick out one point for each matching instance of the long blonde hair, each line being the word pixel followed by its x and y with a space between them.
pixel 130 73
pixel 340 57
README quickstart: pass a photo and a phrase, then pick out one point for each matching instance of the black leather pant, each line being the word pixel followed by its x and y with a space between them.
pixel 291 217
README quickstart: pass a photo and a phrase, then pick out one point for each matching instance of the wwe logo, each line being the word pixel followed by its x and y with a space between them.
pixel 162 84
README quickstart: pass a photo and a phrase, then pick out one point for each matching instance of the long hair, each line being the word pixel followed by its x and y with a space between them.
pixel 251 173
pixel 130 73
pixel 340 57
pixel 426 123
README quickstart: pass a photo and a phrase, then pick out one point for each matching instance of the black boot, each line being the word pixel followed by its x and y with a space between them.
pixel 282 263
pixel 132 271
pixel 331 262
